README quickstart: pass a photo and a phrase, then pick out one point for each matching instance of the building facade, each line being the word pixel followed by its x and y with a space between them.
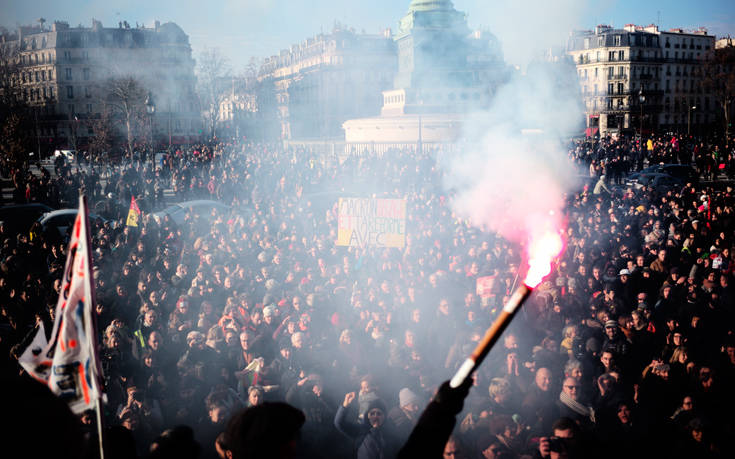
pixel 327 79
pixel 62 73
pixel 445 71
pixel 641 79
pixel 443 67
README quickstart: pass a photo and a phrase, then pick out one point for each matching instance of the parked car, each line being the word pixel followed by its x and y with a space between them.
pixel 55 225
pixel 19 218
pixel 658 181
pixel 200 207
pixel 684 172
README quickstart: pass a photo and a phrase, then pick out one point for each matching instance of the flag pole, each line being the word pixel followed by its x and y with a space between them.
pixel 93 333
pixel 98 409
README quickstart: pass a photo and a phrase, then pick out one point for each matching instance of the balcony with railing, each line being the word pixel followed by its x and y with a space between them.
pixel 617 76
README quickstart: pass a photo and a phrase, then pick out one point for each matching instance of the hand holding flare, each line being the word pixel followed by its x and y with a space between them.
pixel 542 251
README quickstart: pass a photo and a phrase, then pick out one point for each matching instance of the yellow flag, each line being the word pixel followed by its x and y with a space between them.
pixel 133 213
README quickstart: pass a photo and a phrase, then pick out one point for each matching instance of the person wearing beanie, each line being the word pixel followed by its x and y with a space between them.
pixel 373 438
pixel 268 430
pixel 405 415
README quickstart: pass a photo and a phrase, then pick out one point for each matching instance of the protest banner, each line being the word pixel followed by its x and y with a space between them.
pixel 484 287
pixel 371 222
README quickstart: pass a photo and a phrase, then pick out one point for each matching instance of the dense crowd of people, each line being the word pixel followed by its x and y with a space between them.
pixel 627 348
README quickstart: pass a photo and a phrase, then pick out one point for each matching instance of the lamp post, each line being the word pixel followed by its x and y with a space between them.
pixel 150 108
pixel 689 118
pixel 641 101
pixel 169 126
pixel 73 128
pixel 38 134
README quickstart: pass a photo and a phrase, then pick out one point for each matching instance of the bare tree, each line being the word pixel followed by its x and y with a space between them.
pixel 102 141
pixel 16 119
pixel 213 85
pixel 125 98
pixel 719 80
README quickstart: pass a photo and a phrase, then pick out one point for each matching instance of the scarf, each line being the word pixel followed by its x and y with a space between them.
pixel 577 407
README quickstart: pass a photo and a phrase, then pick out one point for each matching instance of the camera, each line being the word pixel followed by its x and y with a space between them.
pixel 557 444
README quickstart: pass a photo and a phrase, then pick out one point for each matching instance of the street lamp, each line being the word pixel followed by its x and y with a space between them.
pixel 641 101
pixel 150 108
pixel 73 129
pixel 689 118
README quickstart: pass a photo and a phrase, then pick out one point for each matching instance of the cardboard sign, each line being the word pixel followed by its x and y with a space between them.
pixel 368 222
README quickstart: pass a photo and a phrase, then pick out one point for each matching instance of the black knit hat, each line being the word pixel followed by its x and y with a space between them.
pixel 377 403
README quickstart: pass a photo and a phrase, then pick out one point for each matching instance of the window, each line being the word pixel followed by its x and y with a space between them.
pixel 621 55
pixel 620 88
pixel 68 73
pixel 51 92
pixel 67 54
pixel 87 92
pixel 610 72
pixel 38 76
pixel 85 72
pixel 611 55
pixel 71 109
pixel 617 40
pixel 43 75
pixel 610 88
pixel 70 92
pixel 89 108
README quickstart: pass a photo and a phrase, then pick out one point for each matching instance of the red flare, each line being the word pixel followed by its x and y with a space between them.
pixel 541 252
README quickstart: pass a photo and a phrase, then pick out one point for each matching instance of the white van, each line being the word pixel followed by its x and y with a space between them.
pixel 69 155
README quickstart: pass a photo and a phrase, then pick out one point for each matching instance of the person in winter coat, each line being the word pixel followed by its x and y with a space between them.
pixel 372 438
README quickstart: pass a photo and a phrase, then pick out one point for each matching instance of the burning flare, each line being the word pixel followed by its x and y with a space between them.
pixel 541 252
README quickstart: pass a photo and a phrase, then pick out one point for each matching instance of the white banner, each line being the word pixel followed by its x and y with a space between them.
pixel 73 371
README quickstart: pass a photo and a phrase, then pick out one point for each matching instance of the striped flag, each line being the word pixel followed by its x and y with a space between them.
pixel 69 362
pixel 133 213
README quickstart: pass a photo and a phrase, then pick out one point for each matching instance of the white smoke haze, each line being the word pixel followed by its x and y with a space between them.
pixel 528 27
pixel 512 176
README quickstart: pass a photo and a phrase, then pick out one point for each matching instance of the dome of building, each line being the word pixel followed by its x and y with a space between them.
pixel 430 5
